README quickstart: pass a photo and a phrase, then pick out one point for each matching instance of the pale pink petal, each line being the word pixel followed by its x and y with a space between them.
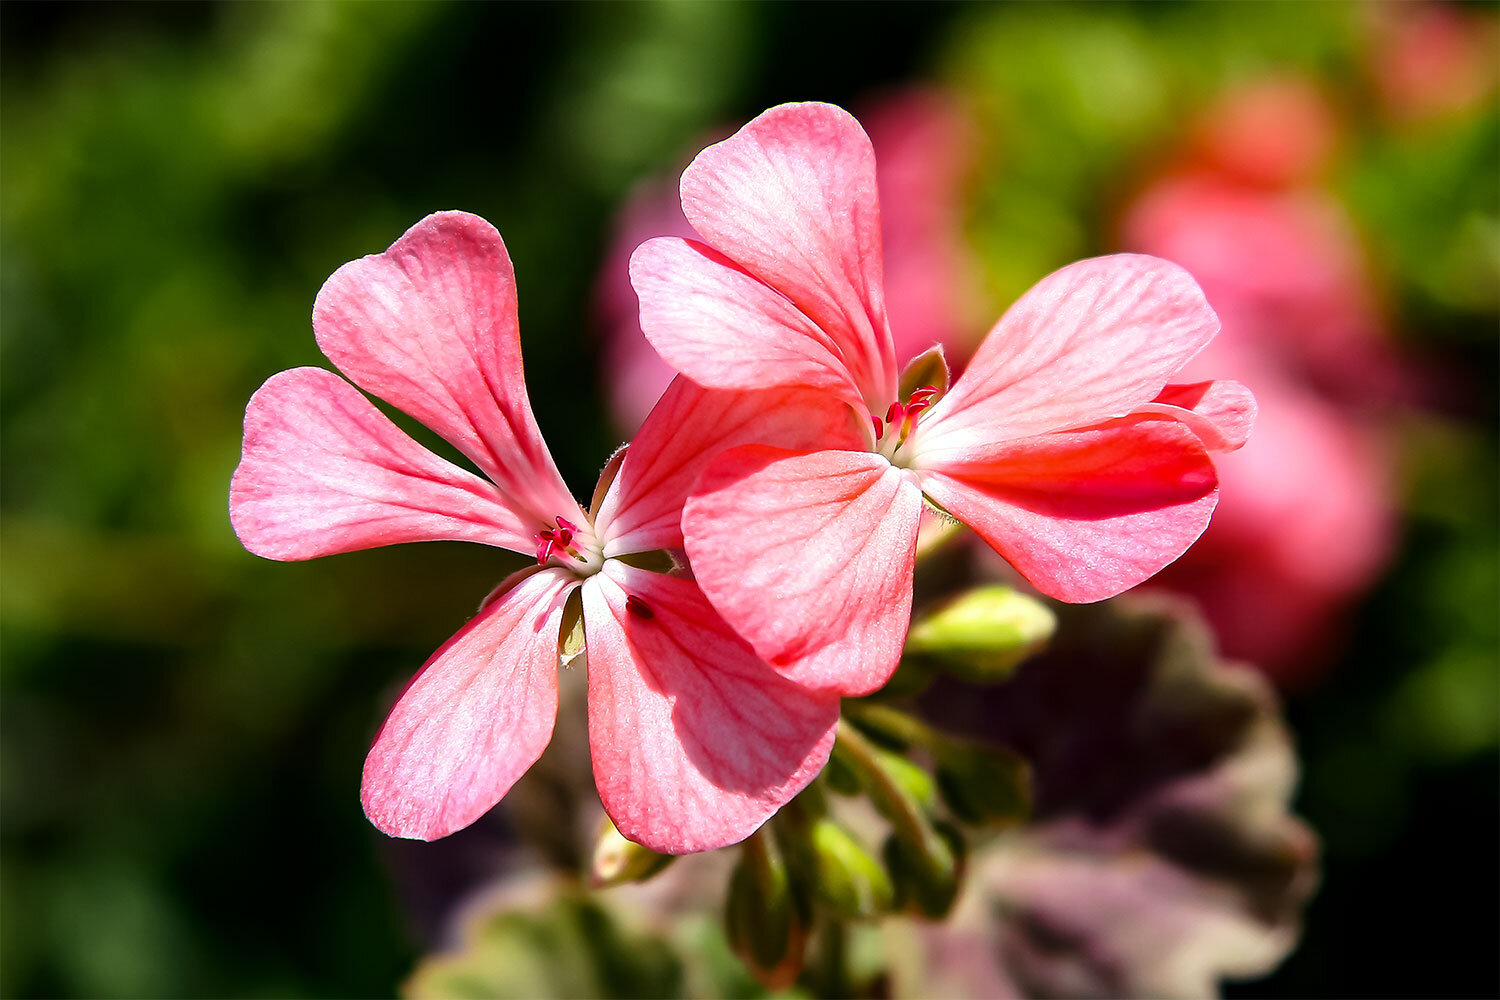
pixel 726 329
pixel 695 741
pixel 688 427
pixel 792 198
pixel 324 471
pixel 1087 343
pixel 1221 412
pixel 430 327
pixel 476 716
pixel 1088 513
pixel 809 556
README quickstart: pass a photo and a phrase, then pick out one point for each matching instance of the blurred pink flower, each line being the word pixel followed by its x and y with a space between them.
pixel 924 144
pixel 1053 446
pixel 1433 59
pixel 695 741
pixel 1284 269
pixel 1274 131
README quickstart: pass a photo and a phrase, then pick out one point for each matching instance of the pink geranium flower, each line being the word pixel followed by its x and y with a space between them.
pixel 925 145
pixel 1062 445
pixel 695 740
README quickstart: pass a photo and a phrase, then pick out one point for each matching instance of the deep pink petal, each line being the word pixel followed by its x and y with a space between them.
pixel 1085 514
pixel 1221 412
pixel 809 556
pixel 476 716
pixel 686 429
pixel 695 741
pixel 725 329
pixel 1087 343
pixel 430 327
pixel 324 471
pixel 791 197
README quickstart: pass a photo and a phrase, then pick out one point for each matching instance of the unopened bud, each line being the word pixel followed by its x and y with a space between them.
pixel 983 785
pixel 761 918
pixel 983 634
pixel 848 879
pixel 926 873
pixel 618 860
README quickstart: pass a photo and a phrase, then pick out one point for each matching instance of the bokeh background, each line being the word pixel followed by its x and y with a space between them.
pixel 183 724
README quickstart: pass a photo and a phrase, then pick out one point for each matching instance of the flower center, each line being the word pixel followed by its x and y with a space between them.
pixel 900 420
pixel 570 547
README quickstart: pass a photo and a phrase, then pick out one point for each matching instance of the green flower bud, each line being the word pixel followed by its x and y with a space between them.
pixel 761 919
pixel 984 634
pixel 618 860
pixel 926 874
pixel 983 785
pixel 851 882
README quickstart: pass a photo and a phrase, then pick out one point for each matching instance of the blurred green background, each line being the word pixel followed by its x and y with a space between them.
pixel 183 724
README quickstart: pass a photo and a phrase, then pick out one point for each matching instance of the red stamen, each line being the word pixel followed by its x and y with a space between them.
pixel 545 542
pixel 879 430
pixel 894 414
pixel 923 394
pixel 916 408
pixel 639 608
pixel 567 526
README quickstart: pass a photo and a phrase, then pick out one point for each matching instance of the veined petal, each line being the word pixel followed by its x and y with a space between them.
pixel 1090 342
pixel 809 556
pixel 430 327
pixel 1221 412
pixel 476 716
pixel 695 741
pixel 324 471
pixel 791 197
pixel 1085 514
pixel 687 428
pixel 726 329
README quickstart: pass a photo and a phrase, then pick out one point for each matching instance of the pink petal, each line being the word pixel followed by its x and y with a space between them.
pixel 475 717
pixel 1221 412
pixel 791 197
pixel 725 329
pixel 1089 342
pixel 323 471
pixel 1085 514
pixel 809 556
pixel 430 327
pixel 695 741
pixel 686 429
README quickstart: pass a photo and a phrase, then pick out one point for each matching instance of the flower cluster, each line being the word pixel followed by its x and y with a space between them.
pixel 774 491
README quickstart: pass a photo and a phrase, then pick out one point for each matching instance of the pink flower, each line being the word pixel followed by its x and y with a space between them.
pixel 925 145
pixel 1062 445
pixel 695 741
pixel 1283 264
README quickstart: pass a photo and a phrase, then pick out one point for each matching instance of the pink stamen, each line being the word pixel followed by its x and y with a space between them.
pixel 567 526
